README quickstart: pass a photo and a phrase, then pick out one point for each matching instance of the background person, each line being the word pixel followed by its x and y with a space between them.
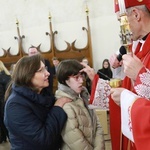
pixel 33 118
pixel 4 80
pixel 56 62
pixel 105 73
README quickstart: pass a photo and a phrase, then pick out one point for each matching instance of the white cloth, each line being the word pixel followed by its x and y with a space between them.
pixel 102 92
pixel 127 99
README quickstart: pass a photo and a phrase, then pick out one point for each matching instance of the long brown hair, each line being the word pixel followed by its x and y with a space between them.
pixel 24 72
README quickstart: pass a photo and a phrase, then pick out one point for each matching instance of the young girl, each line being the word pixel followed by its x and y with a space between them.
pixel 82 129
pixel 106 72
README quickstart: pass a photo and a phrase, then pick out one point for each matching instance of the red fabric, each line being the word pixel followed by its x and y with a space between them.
pixel 116 5
pixel 94 83
pixel 115 125
pixel 140 116
pixel 130 3
pixel 115 119
pixel 118 140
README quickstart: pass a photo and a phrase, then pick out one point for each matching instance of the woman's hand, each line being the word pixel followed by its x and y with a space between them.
pixel 62 101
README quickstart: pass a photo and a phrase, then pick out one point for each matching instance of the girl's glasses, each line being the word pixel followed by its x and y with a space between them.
pixel 78 76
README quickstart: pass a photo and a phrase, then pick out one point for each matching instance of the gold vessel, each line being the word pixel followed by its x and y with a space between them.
pixel 114 83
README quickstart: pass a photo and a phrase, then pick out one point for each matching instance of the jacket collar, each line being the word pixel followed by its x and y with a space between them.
pixel 33 96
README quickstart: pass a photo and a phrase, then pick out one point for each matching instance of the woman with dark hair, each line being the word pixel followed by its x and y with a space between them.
pixel 82 129
pixel 4 79
pixel 106 72
pixel 33 118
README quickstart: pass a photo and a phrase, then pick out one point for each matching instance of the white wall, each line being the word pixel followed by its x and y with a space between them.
pixel 68 18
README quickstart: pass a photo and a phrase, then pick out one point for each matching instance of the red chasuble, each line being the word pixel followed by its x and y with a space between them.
pixel 119 141
pixel 140 116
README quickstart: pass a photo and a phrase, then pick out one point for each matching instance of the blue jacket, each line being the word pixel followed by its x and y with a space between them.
pixel 32 120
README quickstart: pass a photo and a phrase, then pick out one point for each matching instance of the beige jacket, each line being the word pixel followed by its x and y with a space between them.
pixel 82 130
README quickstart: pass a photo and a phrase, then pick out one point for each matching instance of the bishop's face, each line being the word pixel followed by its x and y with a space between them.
pixel 135 23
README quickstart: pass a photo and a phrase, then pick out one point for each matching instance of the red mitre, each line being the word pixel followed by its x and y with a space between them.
pixel 131 3
pixel 116 5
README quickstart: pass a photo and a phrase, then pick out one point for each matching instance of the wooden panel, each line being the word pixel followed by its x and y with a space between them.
pixel 70 52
